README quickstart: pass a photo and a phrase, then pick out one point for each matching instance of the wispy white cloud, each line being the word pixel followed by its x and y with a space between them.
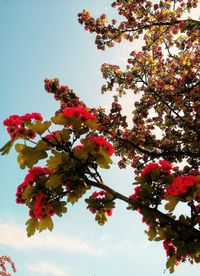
pixel 48 269
pixel 14 236
pixel 136 249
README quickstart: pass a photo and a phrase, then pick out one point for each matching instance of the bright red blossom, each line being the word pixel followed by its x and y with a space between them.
pixel 100 197
pixel 99 194
pixel 41 207
pixel 16 125
pixel 30 180
pixel 149 168
pixel 163 165
pixel 169 247
pixel 80 112
pixel 166 167
pixel 136 194
pixel 101 142
pixel 181 184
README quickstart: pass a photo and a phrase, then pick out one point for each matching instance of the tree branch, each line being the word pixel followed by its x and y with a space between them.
pixel 154 154
pixel 164 219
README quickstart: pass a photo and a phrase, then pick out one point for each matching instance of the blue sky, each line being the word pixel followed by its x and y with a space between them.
pixel 42 39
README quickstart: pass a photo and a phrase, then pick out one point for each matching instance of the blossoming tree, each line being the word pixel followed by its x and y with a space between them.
pixel 3 261
pixel 164 136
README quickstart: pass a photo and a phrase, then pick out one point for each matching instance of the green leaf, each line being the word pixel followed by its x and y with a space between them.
pixel 92 124
pixel 110 204
pixel 82 130
pixel 148 216
pixel 76 123
pixel 59 208
pixel 151 233
pixel 28 192
pixel 194 248
pixel 32 225
pixel 182 249
pixel 54 181
pixel 155 174
pixel 42 145
pixel 39 127
pixel 45 223
pixel 29 156
pixel 172 203
pixel 140 180
pixel 171 263
pixel 64 134
pixel 60 119
pixel 161 234
pixel 101 217
pixel 103 159
pixel 168 179
pixel 90 146
pixel 7 147
pixel 81 154
pixel 197 258
pixel 57 159
pixel 77 193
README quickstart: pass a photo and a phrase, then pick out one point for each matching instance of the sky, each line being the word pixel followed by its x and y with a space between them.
pixel 43 39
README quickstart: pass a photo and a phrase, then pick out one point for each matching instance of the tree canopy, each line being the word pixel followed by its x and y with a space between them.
pixel 161 143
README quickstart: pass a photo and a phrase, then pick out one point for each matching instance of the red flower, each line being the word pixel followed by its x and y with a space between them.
pixel 180 185
pixel 136 194
pixel 31 116
pixel 42 207
pixel 31 178
pixel 16 125
pixel 149 168
pixel 166 167
pixel 169 247
pixel 78 111
pixel 100 196
pixel 109 212
pixel 101 142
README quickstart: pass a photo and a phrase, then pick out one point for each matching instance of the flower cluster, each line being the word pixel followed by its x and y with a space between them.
pixel 79 112
pixel 164 166
pixel 16 125
pixel 3 260
pixel 40 206
pixel 98 25
pixel 31 178
pixel 169 247
pixel 171 250
pixel 136 194
pixel 61 93
pixel 100 197
pixel 181 184
pixel 149 168
pixel 100 142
